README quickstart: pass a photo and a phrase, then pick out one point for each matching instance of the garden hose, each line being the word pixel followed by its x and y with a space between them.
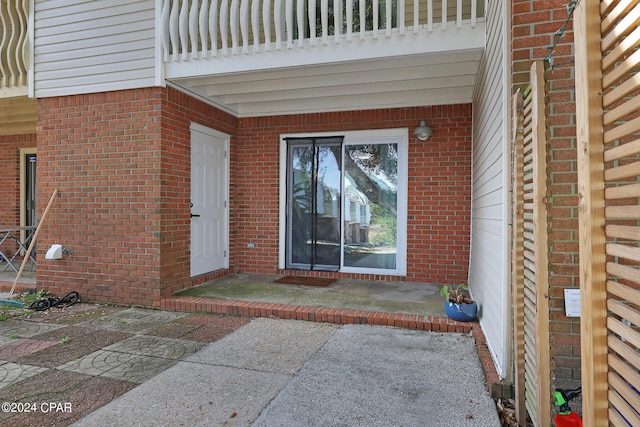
pixel 47 303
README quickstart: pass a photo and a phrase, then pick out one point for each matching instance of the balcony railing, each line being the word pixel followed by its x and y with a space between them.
pixel 14 46
pixel 205 29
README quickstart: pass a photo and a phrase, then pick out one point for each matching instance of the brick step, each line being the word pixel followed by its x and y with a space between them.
pixel 315 314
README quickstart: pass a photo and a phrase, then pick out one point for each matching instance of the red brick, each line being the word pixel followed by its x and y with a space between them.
pixel 547 17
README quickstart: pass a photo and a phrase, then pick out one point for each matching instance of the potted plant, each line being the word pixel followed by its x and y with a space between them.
pixel 458 305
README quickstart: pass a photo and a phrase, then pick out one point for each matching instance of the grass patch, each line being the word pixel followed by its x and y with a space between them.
pixel 8 311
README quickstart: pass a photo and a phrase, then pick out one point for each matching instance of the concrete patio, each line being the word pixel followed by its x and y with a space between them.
pixel 109 366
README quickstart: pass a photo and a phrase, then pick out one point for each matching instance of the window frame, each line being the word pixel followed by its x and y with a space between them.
pixel 399 136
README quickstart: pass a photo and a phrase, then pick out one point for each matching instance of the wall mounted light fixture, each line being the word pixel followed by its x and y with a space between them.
pixel 423 131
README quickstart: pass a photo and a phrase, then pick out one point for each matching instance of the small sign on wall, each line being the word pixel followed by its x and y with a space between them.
pixel 572 302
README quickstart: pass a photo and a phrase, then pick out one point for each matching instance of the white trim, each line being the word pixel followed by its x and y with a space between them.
pixel 159 63
pixel 282 217
pixel 506 370
pixel 31 54
pixel 396 135
pixel 23 187
pixel 227 139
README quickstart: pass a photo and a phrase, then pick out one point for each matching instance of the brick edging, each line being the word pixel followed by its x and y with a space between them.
pixel 314 314
pixel 494 381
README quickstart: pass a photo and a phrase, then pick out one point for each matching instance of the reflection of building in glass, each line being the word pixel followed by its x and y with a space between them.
pixel 357 213
pixel 328 218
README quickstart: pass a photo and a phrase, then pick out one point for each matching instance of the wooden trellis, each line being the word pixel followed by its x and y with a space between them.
pixel 530 255
pixel 607 39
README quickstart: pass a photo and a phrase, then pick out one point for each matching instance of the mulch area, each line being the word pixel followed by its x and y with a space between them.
pixel 68 316
pixel 507 413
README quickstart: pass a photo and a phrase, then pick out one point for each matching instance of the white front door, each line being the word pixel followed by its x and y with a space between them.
pixel 209 189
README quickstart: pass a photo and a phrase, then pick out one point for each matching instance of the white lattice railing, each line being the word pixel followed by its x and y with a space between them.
pixel 210 28
pixel 14 44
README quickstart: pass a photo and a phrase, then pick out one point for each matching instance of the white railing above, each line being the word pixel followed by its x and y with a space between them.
pixel 14 46
pixel 192 29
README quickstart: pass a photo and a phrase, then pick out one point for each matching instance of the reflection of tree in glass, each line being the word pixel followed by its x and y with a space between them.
pixel 304 162
pixel 379 159
pixel 374 168
pixel 386 234
pixel 311 164
pixel 301 201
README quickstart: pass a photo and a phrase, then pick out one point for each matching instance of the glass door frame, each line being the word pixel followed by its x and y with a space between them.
pixel 24 152
pixel 314 264
pixel 399 136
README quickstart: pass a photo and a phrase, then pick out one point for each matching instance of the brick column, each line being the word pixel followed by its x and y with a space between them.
pixel 121 161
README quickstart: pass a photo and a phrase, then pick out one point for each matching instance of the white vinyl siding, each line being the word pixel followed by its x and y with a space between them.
pixel 489 232
pixel 93 46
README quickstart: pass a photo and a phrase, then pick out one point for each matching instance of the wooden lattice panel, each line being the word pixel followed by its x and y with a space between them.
pixel 607 35
pixel 620 26
pixel 530 268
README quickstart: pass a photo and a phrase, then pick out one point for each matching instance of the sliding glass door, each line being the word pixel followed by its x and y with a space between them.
pixel 346 203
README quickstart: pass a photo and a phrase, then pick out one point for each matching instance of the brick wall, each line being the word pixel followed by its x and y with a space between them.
pixel 534 24
pixel 439 187
pixel 121 162
pixel 102 152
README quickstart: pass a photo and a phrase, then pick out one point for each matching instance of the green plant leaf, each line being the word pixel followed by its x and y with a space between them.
pixel 444 291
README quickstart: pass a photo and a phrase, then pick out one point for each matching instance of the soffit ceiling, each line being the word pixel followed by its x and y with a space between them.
pixel 415 80
pixel 18 115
